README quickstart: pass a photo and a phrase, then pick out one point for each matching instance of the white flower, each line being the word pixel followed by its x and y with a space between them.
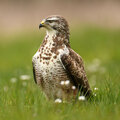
pixel 13 80
pixel 24 77
pixel 73 87
pixel 67 82
pixel 81 98
pixel 62 82
pixel 95 88
pixel 58 100
pixel 94 94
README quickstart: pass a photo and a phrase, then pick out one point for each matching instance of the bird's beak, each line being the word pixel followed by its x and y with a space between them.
pixel 41 24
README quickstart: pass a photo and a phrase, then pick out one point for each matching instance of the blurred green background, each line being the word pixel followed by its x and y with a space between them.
pixel 94 34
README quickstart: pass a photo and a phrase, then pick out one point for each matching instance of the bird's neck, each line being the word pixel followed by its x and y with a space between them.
pixel 58 38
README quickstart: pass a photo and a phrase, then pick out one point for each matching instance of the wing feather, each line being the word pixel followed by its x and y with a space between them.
pixel 73 64
pixel 34 74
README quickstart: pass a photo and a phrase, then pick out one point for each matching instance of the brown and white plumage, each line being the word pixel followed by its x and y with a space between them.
pixel 58 69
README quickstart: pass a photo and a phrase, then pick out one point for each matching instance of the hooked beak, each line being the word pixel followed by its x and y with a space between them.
pixel 41 24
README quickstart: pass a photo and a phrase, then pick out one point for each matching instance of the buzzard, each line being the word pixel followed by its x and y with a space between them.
pixel 57 68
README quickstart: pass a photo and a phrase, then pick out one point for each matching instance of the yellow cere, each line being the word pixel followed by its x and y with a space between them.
pixel 42 22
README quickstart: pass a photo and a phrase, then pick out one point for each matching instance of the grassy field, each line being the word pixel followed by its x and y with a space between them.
pixel 20 97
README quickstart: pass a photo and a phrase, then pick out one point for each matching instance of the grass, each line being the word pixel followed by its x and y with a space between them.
pixel 23 99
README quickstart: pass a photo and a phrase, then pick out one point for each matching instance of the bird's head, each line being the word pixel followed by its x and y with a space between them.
pixel 55 23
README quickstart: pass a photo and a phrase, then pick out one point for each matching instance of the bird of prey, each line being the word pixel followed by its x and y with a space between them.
pixel 57 68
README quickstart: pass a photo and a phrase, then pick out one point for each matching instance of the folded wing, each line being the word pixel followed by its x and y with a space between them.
pixel 75 68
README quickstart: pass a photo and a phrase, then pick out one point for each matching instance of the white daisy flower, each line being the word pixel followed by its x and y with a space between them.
pixel 67 82
pixel 62 82
pixel 81 98
pixel 95 88
pixel 24 77
pixel 73 87
pixel 58 100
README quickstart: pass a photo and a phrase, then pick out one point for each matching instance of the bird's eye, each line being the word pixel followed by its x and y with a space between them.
pixel 49 21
